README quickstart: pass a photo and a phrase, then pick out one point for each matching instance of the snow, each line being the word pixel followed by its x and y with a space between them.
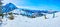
pixel 23 21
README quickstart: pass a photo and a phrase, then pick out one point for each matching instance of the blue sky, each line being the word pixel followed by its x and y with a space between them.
pixel 36 4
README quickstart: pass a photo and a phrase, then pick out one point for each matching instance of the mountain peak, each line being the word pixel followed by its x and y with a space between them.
pixel 9 7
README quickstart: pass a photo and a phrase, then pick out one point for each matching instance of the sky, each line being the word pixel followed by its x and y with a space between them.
pixel 36 4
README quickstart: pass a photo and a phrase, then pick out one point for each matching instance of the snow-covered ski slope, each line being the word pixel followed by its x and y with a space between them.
pixel 23 21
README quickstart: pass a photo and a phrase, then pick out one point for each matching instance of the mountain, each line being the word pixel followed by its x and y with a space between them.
pixel 8 7
pixel 25 12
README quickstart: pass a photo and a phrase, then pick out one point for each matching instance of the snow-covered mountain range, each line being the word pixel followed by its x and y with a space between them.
pixel 23 21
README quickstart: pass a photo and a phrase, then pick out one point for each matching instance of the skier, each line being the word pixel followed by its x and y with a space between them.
pixel 53 15
pixel 11 17
pixel 45 17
